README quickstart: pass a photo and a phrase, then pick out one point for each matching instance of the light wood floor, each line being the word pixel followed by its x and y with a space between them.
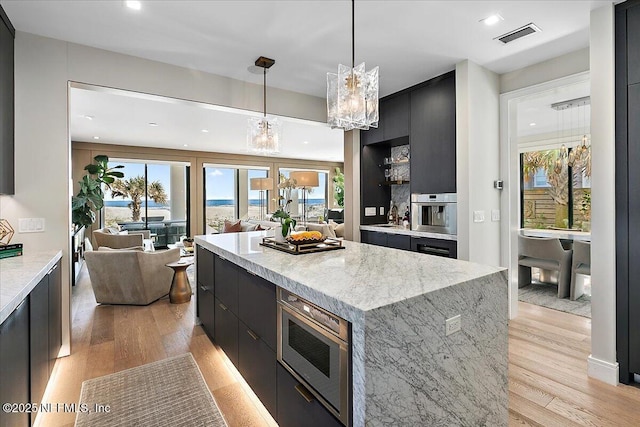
pixel 548 384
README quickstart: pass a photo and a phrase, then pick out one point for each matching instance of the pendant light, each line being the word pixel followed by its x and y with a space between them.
pixel 352 93
pixel 264 133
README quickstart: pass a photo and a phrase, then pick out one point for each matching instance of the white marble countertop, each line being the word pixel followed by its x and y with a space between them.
pixel 399 229
pixel 20 274
pixel 560 234
pixel 358 278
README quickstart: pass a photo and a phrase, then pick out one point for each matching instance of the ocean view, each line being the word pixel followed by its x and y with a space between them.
pixel 211 202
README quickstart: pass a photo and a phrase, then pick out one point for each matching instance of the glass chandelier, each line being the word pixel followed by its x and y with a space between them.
pixel 352 93
pixel 264 133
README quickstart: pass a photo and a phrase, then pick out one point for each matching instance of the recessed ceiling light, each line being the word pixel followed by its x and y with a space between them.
pixel 205 130
pixel 532 124
pixel 88 117
pixel 153 124
pixel 185 145
pixel 133 4
pixel 492 20
pixel 305 142
pixel 96 137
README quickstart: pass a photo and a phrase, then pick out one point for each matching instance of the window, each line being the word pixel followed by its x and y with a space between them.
pixel 556 192
pixel 228 194
pixel 151 196
pixel 316 196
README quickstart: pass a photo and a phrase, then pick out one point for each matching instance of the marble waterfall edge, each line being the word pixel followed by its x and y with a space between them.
pixel 433 379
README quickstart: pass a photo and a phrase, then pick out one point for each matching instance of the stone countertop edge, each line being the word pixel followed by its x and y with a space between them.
pixel 332 299
pixel 399 229
pixel 19 275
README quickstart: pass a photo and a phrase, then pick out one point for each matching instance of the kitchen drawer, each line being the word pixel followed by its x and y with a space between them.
pixel 206 310
pixel 226 283
pixel 437 247
pixel 226 331
pixel 257 365
pixel 257 306
pixel 298 407
pixel 204 268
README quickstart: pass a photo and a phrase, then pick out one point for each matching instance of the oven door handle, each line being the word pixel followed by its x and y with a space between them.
pixel 306 394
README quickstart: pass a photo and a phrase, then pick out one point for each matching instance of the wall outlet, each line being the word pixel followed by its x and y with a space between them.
pixel 381 210
pixel 370 211
pixel 478 216
pixel 452 325
pixel 495 215
pixel 30 225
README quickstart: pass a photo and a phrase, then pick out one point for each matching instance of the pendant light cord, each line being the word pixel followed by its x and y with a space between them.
pixel 353 34
pixel 264 91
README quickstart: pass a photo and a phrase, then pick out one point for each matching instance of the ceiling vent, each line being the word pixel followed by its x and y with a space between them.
pixel 519 33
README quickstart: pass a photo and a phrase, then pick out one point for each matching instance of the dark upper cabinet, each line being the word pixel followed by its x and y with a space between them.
pixel 14 364
pixel 633 45
pixel 393 121
pixel 433 136
pixel 7 34
pixel 395 115
pixel 39 339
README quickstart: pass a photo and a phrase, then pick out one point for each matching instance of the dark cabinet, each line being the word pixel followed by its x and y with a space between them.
pixel 39 339
pixel 389 240
pixel 14 364
pixel 204 268
pixel 226 283
pixel 257 306
pixel 55 314
pixel 373 194
pixel 226 331
pixel 393 121
pixel 7 34
pixel 433 136
pixel 257 365
pixel 437 247
pixel 206 310
pixel 298 407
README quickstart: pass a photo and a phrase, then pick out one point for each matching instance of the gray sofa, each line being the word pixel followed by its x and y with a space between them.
pixel 130 276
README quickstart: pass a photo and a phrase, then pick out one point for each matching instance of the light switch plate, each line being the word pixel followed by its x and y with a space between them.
pixel 30 225
pixel 381 210
pixel 478 216
pixel 495 215
pixel 370 211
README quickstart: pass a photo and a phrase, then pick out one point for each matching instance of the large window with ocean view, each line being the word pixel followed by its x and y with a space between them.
pixel 151 196
pixel 228 194
pixel 316 197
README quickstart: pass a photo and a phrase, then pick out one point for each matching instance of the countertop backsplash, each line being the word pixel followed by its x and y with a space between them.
pixel 401 194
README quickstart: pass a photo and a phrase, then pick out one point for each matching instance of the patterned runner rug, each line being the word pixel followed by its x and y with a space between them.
pixel 169 392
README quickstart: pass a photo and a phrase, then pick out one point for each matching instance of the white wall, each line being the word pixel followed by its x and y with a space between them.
pixel 602 361
pixel 477 164
pixel 552 69
pixel 43 69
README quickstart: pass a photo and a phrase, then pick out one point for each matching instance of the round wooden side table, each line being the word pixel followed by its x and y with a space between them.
pixel 180 291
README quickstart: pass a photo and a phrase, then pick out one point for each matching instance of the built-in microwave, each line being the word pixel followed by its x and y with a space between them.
pixel 435 213
pixel 313 345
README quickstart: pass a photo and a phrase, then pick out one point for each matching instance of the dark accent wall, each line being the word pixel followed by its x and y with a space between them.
pixel 627 154
pixel 7 35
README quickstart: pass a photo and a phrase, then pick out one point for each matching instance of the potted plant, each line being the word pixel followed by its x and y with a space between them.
pixel 90 198
pixel 286 224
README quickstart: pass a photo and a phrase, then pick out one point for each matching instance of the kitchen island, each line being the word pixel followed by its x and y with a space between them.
pixel 405 369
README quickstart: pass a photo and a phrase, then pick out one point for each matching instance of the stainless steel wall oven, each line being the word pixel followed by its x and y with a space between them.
pixel 313 345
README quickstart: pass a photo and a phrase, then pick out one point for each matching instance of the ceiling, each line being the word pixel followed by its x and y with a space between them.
pixel 411 41
pixel 121 117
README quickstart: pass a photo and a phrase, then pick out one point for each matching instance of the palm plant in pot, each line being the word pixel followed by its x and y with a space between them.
pixel 90 197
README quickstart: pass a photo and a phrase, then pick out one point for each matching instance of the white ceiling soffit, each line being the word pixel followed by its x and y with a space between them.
pixel 122 117
pixel 411 41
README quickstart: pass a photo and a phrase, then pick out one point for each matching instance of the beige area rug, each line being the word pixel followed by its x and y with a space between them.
pixel 170 392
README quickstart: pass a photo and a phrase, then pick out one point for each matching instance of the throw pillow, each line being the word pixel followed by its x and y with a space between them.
pixel 232 227
pixel 259 228
pixel 247 226
pixel 339 230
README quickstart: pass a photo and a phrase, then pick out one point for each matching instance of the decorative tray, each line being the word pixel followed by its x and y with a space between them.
pixel 302 248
